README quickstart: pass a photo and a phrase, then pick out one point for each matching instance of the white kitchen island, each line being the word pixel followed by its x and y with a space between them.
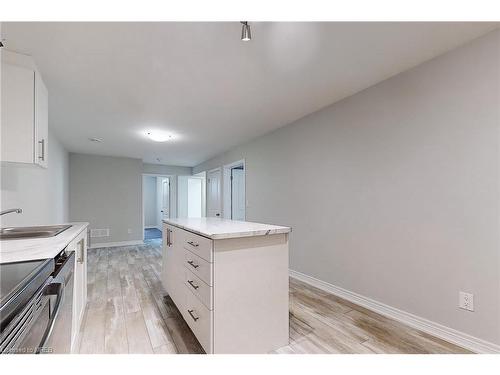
pixel 229 280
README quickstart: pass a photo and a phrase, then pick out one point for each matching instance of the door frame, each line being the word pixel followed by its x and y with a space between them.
pixel 171 179
pixel 226 187
pixel 218 169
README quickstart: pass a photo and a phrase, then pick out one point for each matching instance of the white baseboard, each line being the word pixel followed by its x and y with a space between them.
pixel 114 244
pixel 461 339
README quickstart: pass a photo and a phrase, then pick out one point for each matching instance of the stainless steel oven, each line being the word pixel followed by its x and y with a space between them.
pixel 36 305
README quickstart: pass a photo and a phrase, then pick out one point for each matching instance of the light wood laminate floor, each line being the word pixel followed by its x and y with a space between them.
pixel 128 312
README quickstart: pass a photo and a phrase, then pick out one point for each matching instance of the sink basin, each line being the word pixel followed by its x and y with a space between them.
pixel 32 232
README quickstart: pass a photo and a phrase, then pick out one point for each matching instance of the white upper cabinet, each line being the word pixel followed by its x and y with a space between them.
pixel 24 111
pixel 41 122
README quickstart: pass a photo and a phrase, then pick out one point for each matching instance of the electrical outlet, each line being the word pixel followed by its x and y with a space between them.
pixel 466 301
pixel 129 231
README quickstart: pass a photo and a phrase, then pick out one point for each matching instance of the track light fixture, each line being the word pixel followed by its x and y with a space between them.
pixel 246 34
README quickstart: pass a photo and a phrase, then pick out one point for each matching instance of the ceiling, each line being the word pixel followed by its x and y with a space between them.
pixel 198 81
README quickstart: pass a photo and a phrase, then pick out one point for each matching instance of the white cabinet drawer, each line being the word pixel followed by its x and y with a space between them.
pixel 199 319
pixel 199 245
pixel 200 267
pixel 199 288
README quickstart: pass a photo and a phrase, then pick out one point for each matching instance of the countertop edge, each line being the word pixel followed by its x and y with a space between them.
pixel 84 226
pixel 48 250
pixel 222 236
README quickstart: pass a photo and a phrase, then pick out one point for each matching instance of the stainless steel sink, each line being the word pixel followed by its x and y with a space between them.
pixel 32 232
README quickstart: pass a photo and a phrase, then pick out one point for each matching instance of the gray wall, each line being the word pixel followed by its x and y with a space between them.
pixel 150 203
pixel 393 193
pixel 41 193
pixel 171 170
pixel 107 192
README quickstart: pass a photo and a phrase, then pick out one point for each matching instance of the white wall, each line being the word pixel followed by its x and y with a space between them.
pixel 189 196
pixel 203 176
pixel 41 193
pixel 182 196
pixel 393 193
pixel 194 197
pixel 149 194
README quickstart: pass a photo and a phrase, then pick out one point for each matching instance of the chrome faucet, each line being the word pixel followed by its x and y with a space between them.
pixel 16 210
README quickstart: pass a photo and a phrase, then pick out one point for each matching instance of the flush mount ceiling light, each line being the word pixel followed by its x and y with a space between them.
pixel 158 136
pixel 246 34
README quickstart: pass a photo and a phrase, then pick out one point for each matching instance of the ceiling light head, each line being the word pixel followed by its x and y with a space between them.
pixel 159 136
pixel 246 33
pixel 95 140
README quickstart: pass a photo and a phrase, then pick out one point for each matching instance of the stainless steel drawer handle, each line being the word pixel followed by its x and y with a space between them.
pixel 195 318
pixel 192 264
pixel 192 243
pixel 193 284
pixel 42 157
pixel 169 237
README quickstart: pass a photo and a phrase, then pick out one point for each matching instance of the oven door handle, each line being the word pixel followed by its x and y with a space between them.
pixel 53 289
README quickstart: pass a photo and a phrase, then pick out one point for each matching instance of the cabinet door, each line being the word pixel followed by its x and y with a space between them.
pixel 18 114
pixel 164 259
pixel 80 285
pixel 172 271
pixel 41 122
pixel 169 259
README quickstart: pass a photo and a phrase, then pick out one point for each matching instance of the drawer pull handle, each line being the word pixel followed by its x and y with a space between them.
pixel 193 284
pixel 192 264
pixel 42 157
pixel 195 318
pixel 192 243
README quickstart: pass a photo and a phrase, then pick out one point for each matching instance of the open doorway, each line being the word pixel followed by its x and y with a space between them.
pixel 234 191
pixel 191 196
pixel 156 204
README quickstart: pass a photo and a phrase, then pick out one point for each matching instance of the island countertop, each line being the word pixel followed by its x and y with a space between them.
pixel 217 229
pixel 20 250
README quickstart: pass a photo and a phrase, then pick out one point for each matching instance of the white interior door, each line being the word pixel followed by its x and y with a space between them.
pixel 238 194
pixel 214 193
pixel 165 199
